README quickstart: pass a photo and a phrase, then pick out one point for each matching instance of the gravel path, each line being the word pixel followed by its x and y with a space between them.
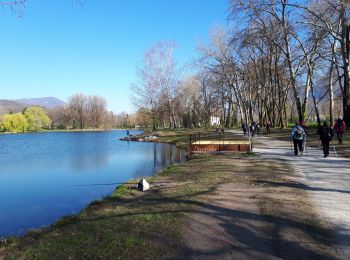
pixel 285 207
pixel 277 206
pixel 327 183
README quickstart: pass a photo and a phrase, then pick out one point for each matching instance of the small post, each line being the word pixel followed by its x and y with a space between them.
pixel 189 148
pixel 223 136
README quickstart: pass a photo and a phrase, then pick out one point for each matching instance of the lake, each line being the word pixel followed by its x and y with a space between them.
pixel 44 176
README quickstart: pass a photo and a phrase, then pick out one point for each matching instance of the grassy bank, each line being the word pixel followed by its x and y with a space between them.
pixel 145 225
pixel 129 223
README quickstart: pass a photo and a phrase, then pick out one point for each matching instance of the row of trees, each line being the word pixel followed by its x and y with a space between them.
pixel 292 55
pixel 31 119
pixel 81 112
pixel 278 61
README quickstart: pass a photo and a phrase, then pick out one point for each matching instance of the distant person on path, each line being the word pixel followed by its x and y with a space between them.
pixel 326 134
pixel 258 127
pixel 253 129
pixel 268 127
pixel 339 127
pixel 244 128
pixel 297 135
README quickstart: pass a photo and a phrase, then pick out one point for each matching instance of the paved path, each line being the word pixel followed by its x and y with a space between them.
pixel 327 181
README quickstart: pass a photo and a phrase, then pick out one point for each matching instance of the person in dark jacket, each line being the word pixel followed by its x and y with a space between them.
pixel 244 128
pixel 258 127
pixel 326 134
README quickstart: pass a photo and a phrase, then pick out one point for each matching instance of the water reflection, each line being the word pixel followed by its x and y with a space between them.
pixel 39 173
pixel 163 155
pixel 167 154
pixel 98 155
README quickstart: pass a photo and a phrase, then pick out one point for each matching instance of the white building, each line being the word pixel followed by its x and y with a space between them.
pixel 214 121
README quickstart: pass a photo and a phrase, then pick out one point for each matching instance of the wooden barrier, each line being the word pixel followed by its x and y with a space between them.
pixel 220 146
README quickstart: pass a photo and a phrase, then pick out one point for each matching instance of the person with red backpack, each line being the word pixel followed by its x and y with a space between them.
pixel 339 127
pixel 298 136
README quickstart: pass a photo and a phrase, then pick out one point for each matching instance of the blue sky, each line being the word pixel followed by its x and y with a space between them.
pixel 58 48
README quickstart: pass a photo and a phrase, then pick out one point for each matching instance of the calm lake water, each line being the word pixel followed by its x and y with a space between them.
pixel 41 173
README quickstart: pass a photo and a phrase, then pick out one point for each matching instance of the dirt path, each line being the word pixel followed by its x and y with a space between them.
pixel 296 210
pixel 327 182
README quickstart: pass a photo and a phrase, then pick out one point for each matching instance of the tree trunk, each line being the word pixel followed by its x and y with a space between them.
pixel 344 45
pixel 153 120
pixel 330 85
pixel 290 65
pixel 314 99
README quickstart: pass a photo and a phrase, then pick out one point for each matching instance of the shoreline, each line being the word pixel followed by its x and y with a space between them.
pixel 179 139
pixel 70 131
pixel 211 195
pixel 129 184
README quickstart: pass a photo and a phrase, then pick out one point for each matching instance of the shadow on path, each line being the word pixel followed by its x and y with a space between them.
pixel 298 185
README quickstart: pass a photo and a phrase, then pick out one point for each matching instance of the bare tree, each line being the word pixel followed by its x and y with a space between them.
pixel 155 89
pixel 16 6
pixel 78 104
pixel 60 117
pixel 97 110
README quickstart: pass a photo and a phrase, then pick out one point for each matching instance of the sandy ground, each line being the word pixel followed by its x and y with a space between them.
pixel 301 212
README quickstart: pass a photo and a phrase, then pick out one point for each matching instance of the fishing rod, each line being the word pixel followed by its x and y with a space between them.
pixel 117 183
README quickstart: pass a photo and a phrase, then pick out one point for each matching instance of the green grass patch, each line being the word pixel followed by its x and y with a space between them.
pixel 121 190
pixel 67 220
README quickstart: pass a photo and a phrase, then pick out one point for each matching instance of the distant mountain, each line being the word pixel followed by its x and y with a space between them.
pixel 7 106
pixel 18 105
pixel 47 102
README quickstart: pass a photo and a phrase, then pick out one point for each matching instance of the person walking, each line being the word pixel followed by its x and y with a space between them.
pixel 326 135
pixel 244 128
pixel 339 127
pixel 297 135
pixel 253 128
pixel 268 127
pixel 258 127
